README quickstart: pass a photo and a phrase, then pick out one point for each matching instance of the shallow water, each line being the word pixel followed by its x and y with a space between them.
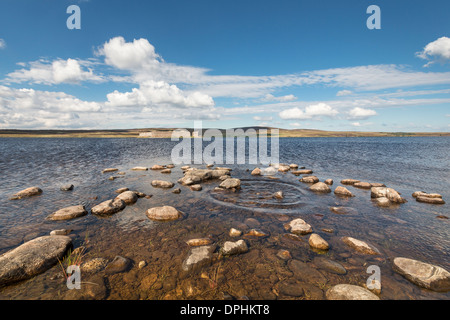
pixel 410 230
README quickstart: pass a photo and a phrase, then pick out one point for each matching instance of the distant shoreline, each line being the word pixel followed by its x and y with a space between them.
pixel 166 133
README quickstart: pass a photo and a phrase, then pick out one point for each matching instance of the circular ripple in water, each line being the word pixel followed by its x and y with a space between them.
pixel 256 194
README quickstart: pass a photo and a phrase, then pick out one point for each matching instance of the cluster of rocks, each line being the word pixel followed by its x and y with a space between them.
pixel 433 198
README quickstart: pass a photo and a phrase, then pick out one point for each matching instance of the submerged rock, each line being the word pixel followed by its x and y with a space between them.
pixel 343 191
pixel 304 272
pixel 108 207
pixel 196 187
pixel 199 242
pixel 119 264
pixel 129 197
pixel 231 248
pixel 256 233
pixel 60 232
pixel 198 257
pixel 162 184
pixel 165 213
pixel 344 210
pixel 299 226
pixel 32 257
pixel 68 213
pixel 94 265
pixel 391 194
pixel 349 292
pixel 423 274
pixel 318 242
pixel 176 191
pixel 320 187
pixel 309 179
pixel 329 265
pixel 360 246
pixel 234 232
pixel 120 190
pixel 284 254
pixel 28 192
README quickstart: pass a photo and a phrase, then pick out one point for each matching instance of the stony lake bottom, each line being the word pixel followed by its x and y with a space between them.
pixel 411 230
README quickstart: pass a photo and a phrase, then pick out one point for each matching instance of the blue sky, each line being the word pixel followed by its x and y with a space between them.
pixel 289 64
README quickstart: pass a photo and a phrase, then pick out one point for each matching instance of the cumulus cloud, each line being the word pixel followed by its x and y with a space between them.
pixel 159 93
pixel 311 111
pixel 56 72
pixel 361 113
pixel 438 50
pixel 259 118
pixel 2 43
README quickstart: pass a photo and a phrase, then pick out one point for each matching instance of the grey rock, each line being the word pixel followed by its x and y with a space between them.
pixel 108 207
pixel 162 184
pixel 68 213
pixel 231 248
pixel 320 187
pixel 165 213
pixel 349 292
pixel 231 183
pixel 198 257
pixel 329 265
pixel 66 187
pixel 118 265
pixel 129 197
pixel 32 258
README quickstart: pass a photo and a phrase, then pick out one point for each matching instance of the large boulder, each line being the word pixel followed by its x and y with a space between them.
pixel 423 274
pixel 68 213
pixel 165 213
pixel 349 292
pixel 108 207
pixel 32 257
pixel 391 194
pixel 28 192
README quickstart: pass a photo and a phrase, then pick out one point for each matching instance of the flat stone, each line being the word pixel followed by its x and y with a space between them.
pixel 383 202
pixel 318 242
pixel 299 226
pixel 66 187
pixel 176 191
pixel 360 246
pixel 68 213
pixel 196 187
pixel 120 190
pixel 139 169
pixel 320 187
pixel 129 197
pixel 349 292
pixel 231 248
pixel 426 199
pixel 284 168
pixel 109 170
pixel 118 265
pixel 344 210
pixel 309 179
pixel 60 232
pixel 291 289
pixel 166 171
pixel 424 194
pixel 306 273
pixel 231 183
pixel 343 191
pixel 32 258
pixel 349 181
pixel 94 265
pixel 284 254
pixel 293 166
pixel 157 167
pixel 199 242
pixel 362 185
pixel 28 192
pixel 298 172
pixel 423 274
pixel 108 207
pixel 165 213
pixel 329 265
pixel 162 184
pixel 256 233
pixel 198 257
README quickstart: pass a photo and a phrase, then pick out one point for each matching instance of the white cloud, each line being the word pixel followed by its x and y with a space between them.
pixel 56 72
pixel 159 93
pixel 259 118
pixel 356 124
pixel 289 97
pixel 361 113
pixel 315 110
pixel 438 50
pixel 342 93
pixel 2 44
